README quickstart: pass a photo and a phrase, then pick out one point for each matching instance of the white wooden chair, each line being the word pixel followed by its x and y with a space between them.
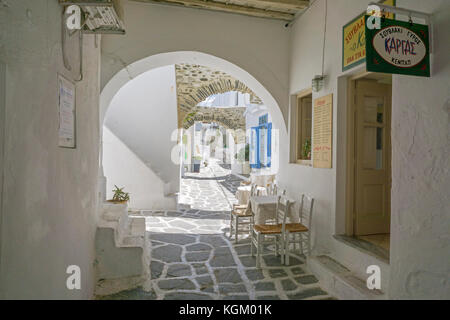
pixel 300 233
pixel 259 232
pixel 242 216
pixel 275 190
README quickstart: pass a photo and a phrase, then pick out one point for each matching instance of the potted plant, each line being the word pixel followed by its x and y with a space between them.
pixel 120 196
pixel 306 150
pixel 236 166
pixel 246 163
pixel 242 166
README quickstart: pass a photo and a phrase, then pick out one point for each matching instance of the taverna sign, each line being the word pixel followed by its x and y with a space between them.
pixel 398 47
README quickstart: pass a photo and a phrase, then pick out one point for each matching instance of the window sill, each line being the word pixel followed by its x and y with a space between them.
pixel 307 163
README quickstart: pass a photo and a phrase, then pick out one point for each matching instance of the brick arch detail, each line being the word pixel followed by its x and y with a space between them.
pixel 196 83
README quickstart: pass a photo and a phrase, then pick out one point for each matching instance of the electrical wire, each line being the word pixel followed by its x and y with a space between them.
pixel 63 47
pixel 324 36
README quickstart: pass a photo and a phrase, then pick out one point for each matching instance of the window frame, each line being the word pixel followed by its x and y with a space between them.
pixel 298 127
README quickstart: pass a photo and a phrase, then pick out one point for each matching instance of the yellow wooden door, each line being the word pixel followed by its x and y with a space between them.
pixel 372 158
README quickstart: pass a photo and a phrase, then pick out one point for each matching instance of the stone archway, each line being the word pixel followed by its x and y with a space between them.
pixel 231 118
pixel 135 69
pixel 195 83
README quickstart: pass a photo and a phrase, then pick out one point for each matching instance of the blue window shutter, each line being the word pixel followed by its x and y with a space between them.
pixel 258 158
pixel 269 145
pixel 255 147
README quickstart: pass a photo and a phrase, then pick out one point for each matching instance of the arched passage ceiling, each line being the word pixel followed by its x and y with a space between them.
pixel 195 83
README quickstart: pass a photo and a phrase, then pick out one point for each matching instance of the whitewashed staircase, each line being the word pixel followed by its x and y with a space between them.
pixel 121 250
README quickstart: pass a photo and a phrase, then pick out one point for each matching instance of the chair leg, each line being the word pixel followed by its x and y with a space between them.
pixel 231 226
pixel 258 251
pixel 276 245
pixel 286 252
pixel 236 229
pixel 309 242
pixel 301 243
pixel 251 242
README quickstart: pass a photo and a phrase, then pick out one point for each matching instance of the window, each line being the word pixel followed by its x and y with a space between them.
pixel 261 144
pixel 302 128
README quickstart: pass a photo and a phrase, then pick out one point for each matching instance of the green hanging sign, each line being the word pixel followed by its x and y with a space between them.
pixel 399 48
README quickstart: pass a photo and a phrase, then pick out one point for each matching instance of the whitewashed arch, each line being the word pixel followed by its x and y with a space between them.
pixel 170 58
pixel 139 67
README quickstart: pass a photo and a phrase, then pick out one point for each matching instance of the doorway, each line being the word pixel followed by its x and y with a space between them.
pixel 369 159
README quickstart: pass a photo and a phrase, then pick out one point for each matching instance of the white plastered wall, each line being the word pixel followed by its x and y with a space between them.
pixel 419 264
pixel 143 115
pixel 258 46
pixel 125 169
pixel 50 193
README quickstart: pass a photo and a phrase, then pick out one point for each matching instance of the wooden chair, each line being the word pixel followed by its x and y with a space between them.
pixel 294 233
pixel 275 190
pixel 271 185
pixel 242 216
pixel 272 189
pixel 259 232
pixel 245 183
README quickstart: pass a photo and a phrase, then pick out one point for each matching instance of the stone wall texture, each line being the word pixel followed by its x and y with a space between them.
pixel 196 83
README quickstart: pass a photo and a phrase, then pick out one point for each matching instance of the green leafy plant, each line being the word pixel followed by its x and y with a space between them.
pixel 120 195
pixel 306 149
pixel 244 154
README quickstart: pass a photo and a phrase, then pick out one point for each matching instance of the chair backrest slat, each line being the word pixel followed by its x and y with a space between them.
pixel 282 210
pixel 306 210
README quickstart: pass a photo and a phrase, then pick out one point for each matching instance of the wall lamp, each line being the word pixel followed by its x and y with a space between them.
pixel 317 83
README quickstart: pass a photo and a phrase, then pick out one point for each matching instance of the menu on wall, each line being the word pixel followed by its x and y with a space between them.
pixel 323 132
pixel 66 113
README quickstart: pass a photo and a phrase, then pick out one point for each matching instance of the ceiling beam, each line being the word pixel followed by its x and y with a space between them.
pixel 281 4
pixel 231 8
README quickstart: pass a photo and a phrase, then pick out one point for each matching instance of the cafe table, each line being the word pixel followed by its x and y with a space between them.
pixel 262 179
pixel 264 207
pixel 243 193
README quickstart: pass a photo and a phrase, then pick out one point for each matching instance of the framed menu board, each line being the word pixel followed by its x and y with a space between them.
pixel 66 101
pixel 323 132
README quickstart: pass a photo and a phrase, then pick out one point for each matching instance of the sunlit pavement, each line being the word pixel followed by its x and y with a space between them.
pixel 193 258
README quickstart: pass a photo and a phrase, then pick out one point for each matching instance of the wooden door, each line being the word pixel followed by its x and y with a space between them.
pixel 372 158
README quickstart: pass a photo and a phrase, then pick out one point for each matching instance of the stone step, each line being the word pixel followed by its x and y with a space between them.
pixel 115 264
pixel 121 249
pixel 113 211
pixel 339 281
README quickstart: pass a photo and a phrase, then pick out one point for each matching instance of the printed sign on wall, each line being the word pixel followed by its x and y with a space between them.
pixel 399 48
pixel 354 39
pixel 323 132
pixel 66 134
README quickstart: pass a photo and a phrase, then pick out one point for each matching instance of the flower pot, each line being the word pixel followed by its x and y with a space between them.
pixel 246 168
pixel 117 202
pixel 236 168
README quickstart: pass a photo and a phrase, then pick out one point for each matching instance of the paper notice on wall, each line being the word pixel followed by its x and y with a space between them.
pixel 66 132
pixel 323 132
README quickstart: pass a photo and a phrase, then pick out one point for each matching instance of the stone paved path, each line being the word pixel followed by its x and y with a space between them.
pixel 192 257
pixel 213 189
